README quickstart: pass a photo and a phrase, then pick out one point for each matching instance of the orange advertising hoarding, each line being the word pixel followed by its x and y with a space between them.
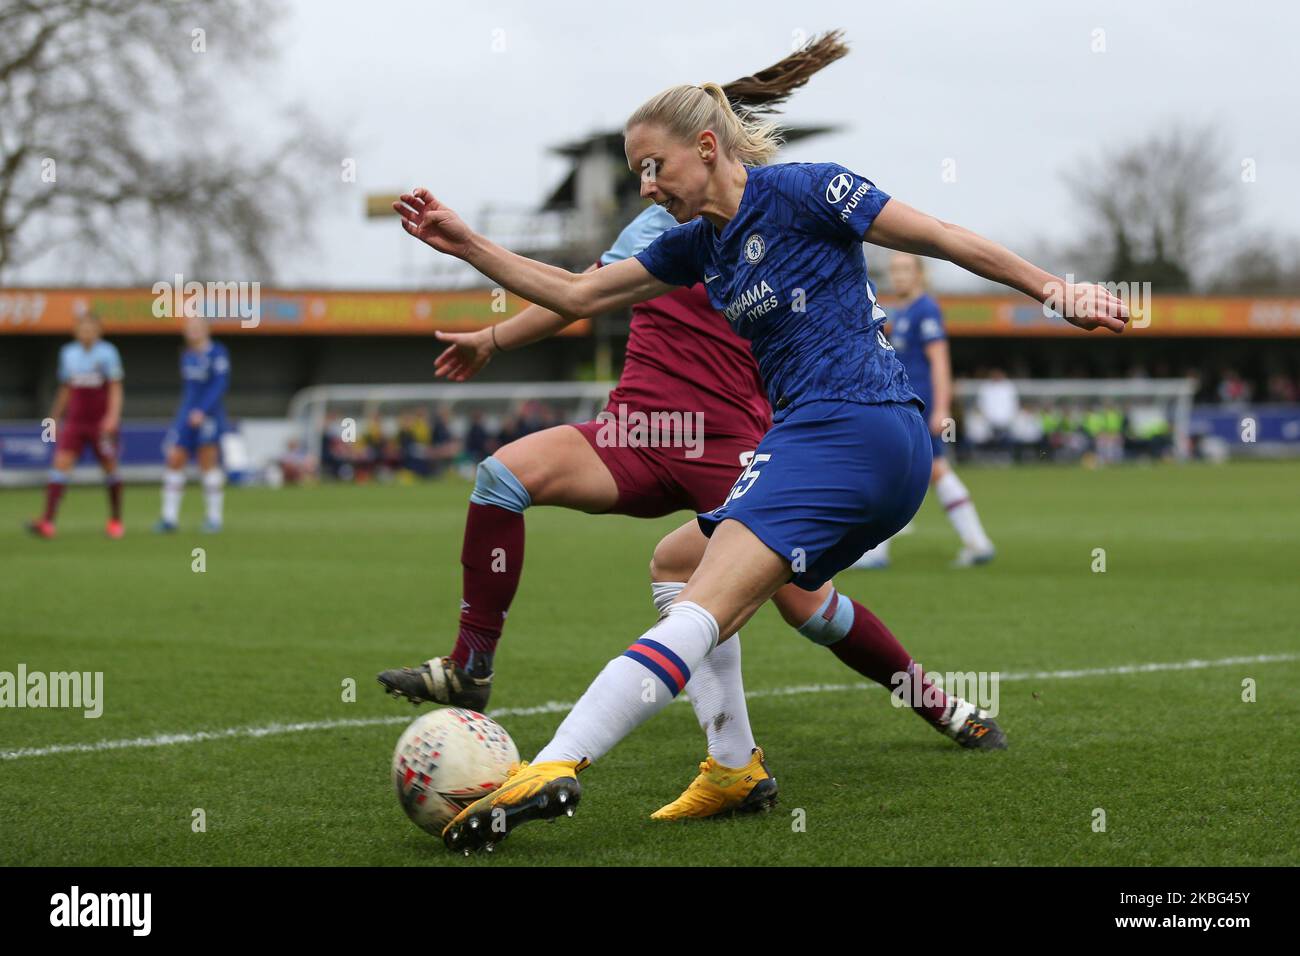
pixel 1159 316
pixel 288 312
pixel 259 311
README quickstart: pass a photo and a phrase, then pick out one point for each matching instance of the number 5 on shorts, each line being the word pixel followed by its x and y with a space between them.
pixel 747 478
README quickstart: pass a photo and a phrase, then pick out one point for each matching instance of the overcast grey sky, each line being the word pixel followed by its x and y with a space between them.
pixel 1012 92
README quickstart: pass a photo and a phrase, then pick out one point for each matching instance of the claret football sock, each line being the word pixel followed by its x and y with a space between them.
pixel 863 642
pixel 717 693
pixel 113 483
pixel 58 482
pixel 635 686
pixel 492 559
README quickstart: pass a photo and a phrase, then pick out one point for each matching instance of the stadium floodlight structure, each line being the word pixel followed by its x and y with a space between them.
pixel 1164 403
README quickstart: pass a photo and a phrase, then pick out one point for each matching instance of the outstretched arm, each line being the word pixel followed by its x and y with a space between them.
pixel 572 296
pixel 940 383
pixel 467 352
pixel 899 226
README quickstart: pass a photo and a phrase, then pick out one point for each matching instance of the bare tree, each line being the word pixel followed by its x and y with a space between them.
pixel 1155 209
pixel 1262 264
pixel 117 151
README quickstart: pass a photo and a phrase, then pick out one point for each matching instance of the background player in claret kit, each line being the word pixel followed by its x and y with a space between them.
pixel 87 412
pixel 916 331
pixel 682 357
pixel 199 425
pixel 848 460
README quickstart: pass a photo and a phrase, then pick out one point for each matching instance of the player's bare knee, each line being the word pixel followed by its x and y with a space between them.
pixel 661 563
pixel 666 568
pixel 796 606
pixel 789 606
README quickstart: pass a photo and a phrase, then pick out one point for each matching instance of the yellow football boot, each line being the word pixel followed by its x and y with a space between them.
pixel 718 790
pixel 537 792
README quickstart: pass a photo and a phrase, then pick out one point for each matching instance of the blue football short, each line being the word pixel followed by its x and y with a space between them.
pixel 184 435
pixel 830 482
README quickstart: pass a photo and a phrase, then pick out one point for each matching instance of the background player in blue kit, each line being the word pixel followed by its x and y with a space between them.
pixel 848 459
pixel 199 425
pixel 916 331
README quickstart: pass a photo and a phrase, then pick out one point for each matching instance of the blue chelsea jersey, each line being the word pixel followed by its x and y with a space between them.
pixel 789 274
pixel 911 328
pixel 205 375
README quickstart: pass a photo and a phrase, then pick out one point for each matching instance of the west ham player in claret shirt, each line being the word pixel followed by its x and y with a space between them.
pixel 196 432
pixel 848 459
pixel 87 413
pixel 684 365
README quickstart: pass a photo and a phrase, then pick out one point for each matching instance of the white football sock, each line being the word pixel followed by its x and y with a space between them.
pixel 717 693
pixel 173 484
pixel 635 686
pixel 663 593
pixel 214 480
pixel 961 512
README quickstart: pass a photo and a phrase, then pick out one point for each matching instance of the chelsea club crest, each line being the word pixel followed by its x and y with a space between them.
pixel 754 249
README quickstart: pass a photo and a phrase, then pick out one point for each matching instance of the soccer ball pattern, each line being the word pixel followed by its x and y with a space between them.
pixel 445 760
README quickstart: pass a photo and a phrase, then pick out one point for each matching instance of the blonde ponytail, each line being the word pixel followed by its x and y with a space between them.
pixel 733 111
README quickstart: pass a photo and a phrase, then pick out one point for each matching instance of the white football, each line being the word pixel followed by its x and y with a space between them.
pixel 445 760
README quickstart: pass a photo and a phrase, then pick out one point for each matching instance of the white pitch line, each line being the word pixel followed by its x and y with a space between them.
pixel 562 707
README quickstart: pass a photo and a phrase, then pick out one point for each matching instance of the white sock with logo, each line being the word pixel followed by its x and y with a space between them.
pixel 173 484
pixel 961 511
pixel 717 693
pixel 214 481
pixel 636 685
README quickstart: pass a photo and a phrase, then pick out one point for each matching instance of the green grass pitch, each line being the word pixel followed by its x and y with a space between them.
pixel 309 587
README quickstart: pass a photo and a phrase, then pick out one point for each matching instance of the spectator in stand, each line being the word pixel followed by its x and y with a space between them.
pixel 414 443
pixel 478 443
pixel 1104 426
pixel 380 453
pixel 1282 388
pixel 1233 389
pixel 296 466
pixel 336 454
pixel 529 419
pixel 1148 431
pixel 443 444
pixel 999 403
pixel 509 430
pixel 1027 434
